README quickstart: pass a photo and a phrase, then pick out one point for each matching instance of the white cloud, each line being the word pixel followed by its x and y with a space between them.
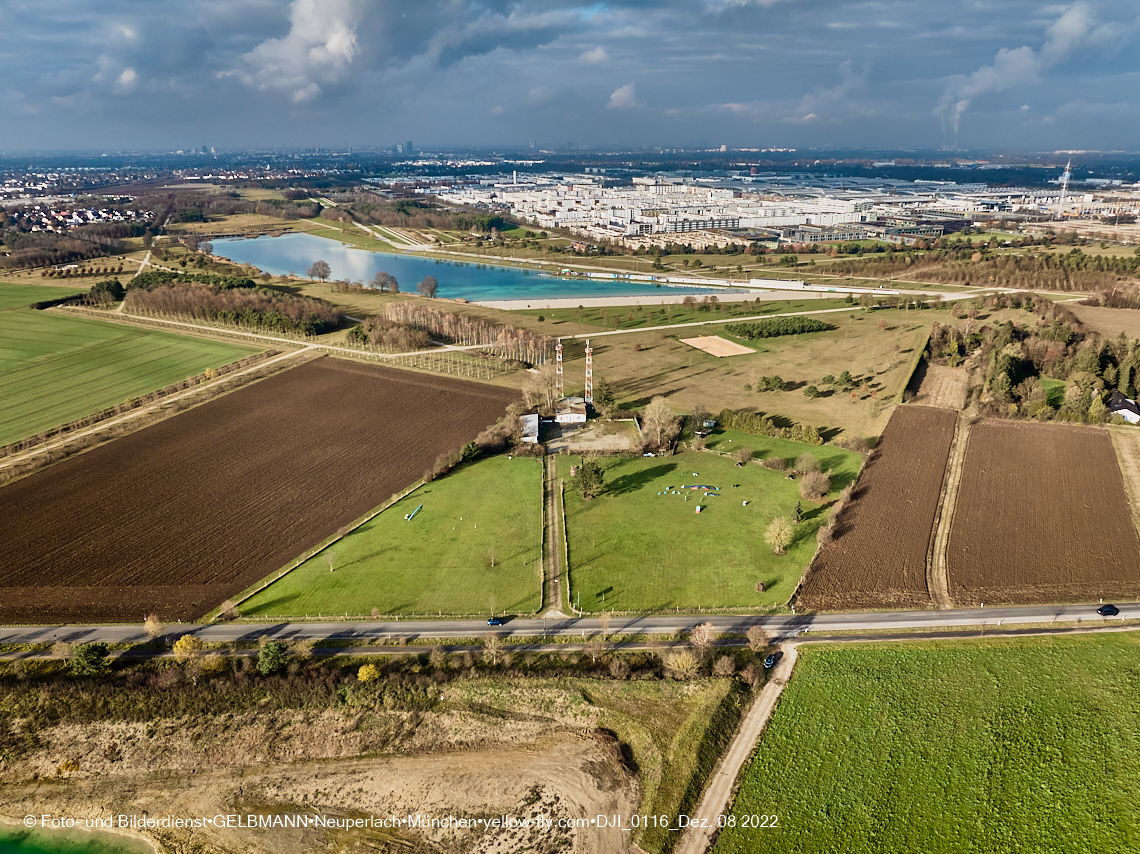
pixel 624 98
pixel 597 56
pixel 1074 30
pixel 126 82
pixel 316 52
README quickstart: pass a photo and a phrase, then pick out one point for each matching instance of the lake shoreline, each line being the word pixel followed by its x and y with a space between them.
pixel 109 836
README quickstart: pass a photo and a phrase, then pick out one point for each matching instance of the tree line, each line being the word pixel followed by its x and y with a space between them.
pixel 1019 358
pixel 501 340
pixel 254 307
pixel 1075 271
pixel 759 424
pixel 775 326
pixel 388 337
pixel 154 278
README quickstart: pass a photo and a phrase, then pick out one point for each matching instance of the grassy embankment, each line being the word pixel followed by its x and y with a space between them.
pixel 1026 745
pixel 650 552
pixel 473 548
pixel 55 369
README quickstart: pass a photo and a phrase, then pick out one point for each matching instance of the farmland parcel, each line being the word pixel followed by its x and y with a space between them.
pixel 1011 746
pixel 1041 516
pixel 55 368
pixel 878 557
pixel 641 545
pixel 473 546
pixel 178 516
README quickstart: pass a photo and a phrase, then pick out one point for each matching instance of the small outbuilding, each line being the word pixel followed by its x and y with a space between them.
pixel 529 428
pixel 570 410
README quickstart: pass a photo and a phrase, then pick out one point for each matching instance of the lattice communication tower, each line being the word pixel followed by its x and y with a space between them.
pixel 558 368
pixel 589 395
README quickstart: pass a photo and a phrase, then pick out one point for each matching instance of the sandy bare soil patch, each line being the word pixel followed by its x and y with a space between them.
pixel 943 388
pixel 878 557
pixel 1041 516
pixel 561 776
pixel 177 517
pixel 714 345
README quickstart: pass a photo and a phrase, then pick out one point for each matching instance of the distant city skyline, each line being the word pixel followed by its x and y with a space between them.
pixel 848 74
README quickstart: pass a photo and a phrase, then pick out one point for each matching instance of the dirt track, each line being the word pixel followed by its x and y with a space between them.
pixel 879 556
pixel 1041 516
pixel 177 517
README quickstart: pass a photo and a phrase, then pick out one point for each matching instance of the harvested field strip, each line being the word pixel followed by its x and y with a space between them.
pixel 179 516
pixel 1126 441
pixel 879 556
pixel 1041 516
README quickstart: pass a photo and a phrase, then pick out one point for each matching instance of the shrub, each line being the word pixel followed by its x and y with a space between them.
pixel 272 658
pixel 188 647
pixel 368 673
pixel 814 485
pixel 90 659
pixel 806 463
pixel 775 463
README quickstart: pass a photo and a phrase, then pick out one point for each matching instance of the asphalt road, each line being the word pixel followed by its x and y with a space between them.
pixel 784 626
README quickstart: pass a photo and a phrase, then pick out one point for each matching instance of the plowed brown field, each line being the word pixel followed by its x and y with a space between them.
pixel 1041 516
pixel 878 558
pixel 177 517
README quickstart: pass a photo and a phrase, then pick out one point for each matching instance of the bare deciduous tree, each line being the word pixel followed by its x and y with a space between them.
pixel 758 638
pixel 152 626
pixel 814 485
pixel 702 637
pixel 493 647
pixel 604 620
pixel 743 455
pixel 320 270
pixel 428 286
pixel 228 610
pixel 724 666
pixel 681 664
pixel 658 421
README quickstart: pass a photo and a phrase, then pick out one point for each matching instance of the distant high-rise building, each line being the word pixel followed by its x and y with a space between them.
pixel 205 149
pixel 409 147
pixel 399 148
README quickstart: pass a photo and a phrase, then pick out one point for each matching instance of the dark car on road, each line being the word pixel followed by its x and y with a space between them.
pixel 495 621
pixel 1108 610
pixel 771 660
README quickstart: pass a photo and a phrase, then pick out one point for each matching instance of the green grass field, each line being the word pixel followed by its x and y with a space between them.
pixel 21 296
pixel 441 561
pixel 1001 746
pixel 55 369
pixel 650 551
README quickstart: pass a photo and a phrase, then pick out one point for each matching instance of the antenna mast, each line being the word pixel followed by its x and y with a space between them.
pixel 558 368
pixel 1064 186
pixel 589 395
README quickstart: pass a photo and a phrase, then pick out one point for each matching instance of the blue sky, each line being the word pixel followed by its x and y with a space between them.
pixel 1014 75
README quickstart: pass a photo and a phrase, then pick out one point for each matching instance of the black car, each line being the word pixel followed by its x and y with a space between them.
pixel 771 660
pixel 1108 610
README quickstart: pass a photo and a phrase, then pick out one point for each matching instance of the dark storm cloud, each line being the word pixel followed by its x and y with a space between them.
pixel 130 73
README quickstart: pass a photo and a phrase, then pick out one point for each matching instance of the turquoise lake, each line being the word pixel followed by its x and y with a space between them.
pixel 294 253
pixel 14 840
